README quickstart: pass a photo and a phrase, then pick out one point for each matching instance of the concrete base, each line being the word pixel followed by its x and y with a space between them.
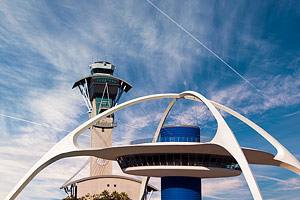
pixel 97 184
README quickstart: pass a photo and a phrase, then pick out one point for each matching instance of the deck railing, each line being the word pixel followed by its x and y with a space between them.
pixel 170 139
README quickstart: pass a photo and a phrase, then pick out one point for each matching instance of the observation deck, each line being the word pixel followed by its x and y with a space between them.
pixel 178 160
pixel 170 139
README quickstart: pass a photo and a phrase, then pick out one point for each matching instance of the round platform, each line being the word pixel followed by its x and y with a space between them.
pixel 186 171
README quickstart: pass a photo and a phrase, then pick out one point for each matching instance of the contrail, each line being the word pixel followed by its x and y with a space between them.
pixel 39 124
pixel 203 45
pixel 31 122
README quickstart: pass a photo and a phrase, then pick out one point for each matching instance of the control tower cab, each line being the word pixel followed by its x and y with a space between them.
pixel 101 90
pixel 102 67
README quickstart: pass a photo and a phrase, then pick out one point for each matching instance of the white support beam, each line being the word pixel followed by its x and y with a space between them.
pixel 225 138
pixel 283 155
pixel 68 146
pixel 145 180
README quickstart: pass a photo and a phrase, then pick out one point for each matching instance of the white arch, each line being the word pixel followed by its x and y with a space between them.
pixel 145 179
pixel 224 137
pixel 288 161
pixel 69 147
pixel 283 155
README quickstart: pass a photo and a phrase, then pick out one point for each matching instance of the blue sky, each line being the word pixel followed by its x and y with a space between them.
pixel 45 46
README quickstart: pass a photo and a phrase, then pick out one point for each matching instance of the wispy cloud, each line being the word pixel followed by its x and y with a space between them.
pixel 218 188
pixel 284 185
pixel 281 91
pixel 46 47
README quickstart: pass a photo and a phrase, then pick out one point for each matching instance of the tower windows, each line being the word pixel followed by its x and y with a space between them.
pixel 103 103
pixel 178 159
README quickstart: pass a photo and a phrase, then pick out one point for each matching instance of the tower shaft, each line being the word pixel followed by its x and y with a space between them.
pixel 101 137
pixel 101 91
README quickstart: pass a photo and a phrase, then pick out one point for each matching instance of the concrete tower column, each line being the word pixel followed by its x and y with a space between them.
pixel 101 91
pixel 101 137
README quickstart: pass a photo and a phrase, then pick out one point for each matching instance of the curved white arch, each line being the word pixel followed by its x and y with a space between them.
pixel 283 155
pixel 68 144
pixel 69 147
pixel 145 179
pixel 223 137
pixel 79 130
pixel 288 161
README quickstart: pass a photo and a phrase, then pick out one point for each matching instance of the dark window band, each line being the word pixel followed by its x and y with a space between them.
pixel 178 159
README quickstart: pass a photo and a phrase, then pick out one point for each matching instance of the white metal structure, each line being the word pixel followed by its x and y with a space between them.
pixel 103 65
pixel 68 146
pixel 85 95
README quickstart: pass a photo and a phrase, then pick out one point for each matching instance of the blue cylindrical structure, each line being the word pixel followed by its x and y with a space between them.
pixel 180 188
pixel 180 133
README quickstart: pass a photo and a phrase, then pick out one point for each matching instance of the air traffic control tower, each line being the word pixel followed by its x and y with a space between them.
pixel 177 160
pixel 102 91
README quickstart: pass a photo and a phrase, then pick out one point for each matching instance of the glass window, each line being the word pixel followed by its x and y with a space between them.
pixel 229 163
pixel 170 159
pixel 156 159
pixel 163 160
pixel 213 160
pixel 177 159
pixel 143 160
pixel 206 159
pixel 149 160
pixel 192 159
pixel 225 160
pixel 138 160
pixel 104 80
pixel 134 161
pixel 103 103
pixel 219 161
pixel 185 159
pixel 129 161
pixel 199 160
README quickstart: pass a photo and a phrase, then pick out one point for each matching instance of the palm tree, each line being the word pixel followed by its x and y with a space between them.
pixel 115 195
pixel 124 196
pixel 105 195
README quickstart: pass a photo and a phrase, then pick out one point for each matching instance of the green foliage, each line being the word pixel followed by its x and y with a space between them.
pixel 70 198
pixel 105 195
pixel 102 196
pixel 115 195
pixel 124 196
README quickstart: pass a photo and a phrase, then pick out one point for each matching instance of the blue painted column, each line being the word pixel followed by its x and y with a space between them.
pixel 180 188
pixel 177 187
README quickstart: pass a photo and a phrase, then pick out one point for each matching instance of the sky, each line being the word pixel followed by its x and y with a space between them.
pixel 45 46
